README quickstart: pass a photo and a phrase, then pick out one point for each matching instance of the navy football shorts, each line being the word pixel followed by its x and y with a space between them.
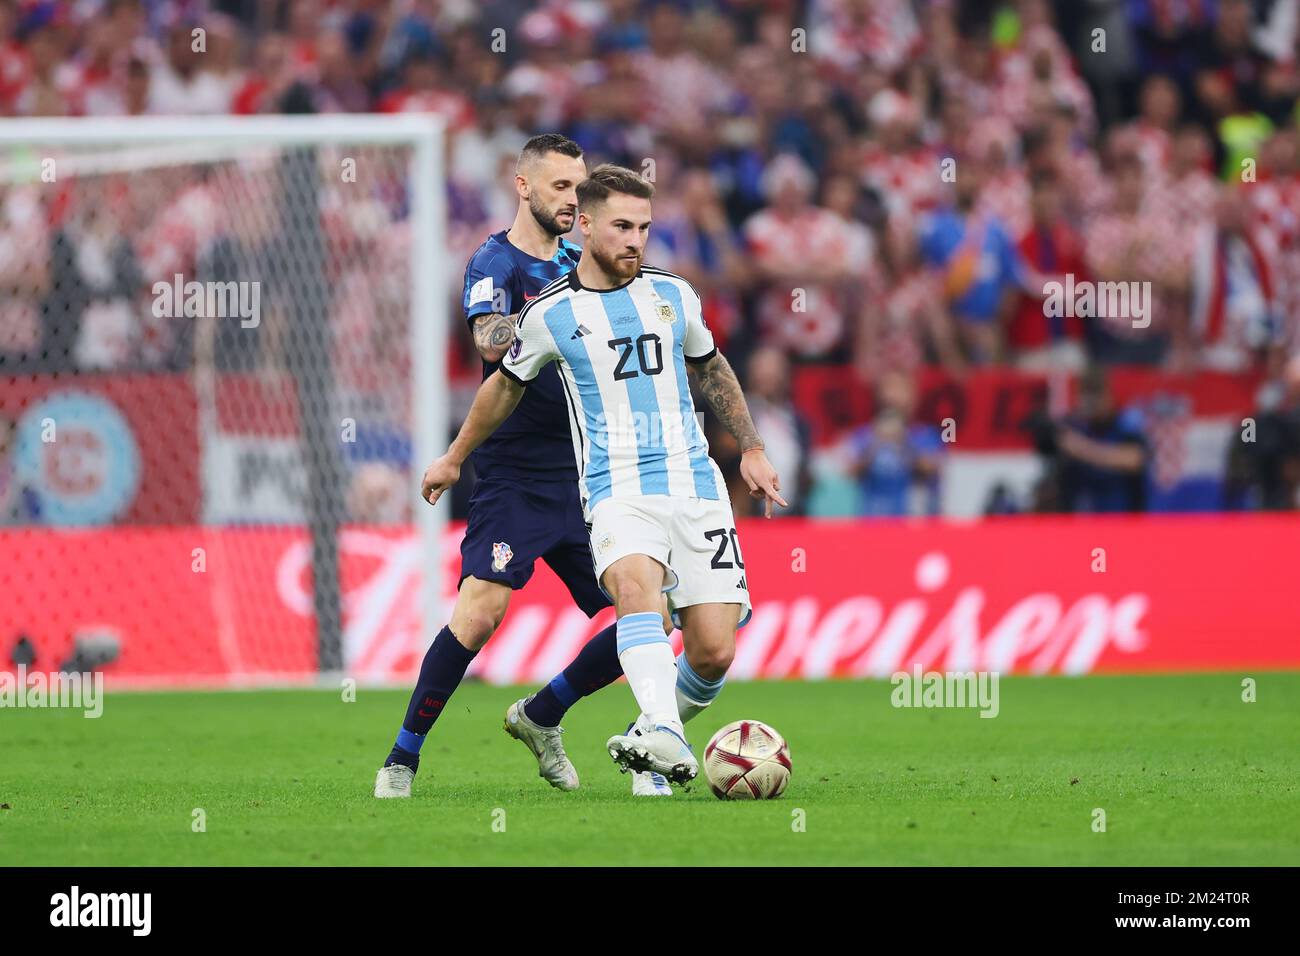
pixel 513 523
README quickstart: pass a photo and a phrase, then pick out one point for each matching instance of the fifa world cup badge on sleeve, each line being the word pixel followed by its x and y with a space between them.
pixel 501 555
pixel 481 291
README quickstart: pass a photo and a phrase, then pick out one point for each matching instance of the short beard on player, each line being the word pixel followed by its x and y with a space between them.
pixel 548 220
pixel 613 266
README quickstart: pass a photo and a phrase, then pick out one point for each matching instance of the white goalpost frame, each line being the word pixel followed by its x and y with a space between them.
pixel 429 277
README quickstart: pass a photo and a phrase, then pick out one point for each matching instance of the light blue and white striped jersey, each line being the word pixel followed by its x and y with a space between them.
pixel 623 355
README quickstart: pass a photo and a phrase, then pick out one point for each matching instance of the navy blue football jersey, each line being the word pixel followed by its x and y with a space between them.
pixel 534 441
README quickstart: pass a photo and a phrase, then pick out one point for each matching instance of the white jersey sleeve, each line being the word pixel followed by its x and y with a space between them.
pixel 533 349
pixel 697 345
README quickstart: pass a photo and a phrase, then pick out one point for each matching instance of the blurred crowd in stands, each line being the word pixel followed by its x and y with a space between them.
pixel 883 184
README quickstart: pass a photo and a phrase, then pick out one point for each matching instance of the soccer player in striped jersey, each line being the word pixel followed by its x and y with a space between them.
pixel 525 504
pixel 624 335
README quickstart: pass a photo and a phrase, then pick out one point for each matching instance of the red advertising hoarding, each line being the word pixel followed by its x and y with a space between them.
pixel 831 599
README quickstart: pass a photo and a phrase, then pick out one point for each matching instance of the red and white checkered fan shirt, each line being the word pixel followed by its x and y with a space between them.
pixel 1144 248
pixel 809 318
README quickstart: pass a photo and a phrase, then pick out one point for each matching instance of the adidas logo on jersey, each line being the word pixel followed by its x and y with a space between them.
pixel 582 330
pixel 742 585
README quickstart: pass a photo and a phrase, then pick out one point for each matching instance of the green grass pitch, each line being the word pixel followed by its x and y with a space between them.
pixel 1186 772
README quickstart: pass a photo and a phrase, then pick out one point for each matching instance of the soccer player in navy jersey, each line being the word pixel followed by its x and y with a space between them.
pixel 628 338
pixel 525 505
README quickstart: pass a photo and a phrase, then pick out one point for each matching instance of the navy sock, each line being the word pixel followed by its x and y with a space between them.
pixel 596 666
pixel 444 665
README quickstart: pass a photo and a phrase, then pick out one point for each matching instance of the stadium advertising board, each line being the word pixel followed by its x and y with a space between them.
pixel 831 599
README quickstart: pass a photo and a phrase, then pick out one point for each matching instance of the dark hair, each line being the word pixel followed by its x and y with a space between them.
pixel 608 178
pixel 1093 380
pixel 1123 159
pixel 1034 139
pixel 1045 178
pixel 544 143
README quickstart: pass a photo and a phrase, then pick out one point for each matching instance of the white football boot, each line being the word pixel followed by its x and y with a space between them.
pixel 553 764
pixel 394 781
pixel 659 749
pixel 645 783
pixel 650 784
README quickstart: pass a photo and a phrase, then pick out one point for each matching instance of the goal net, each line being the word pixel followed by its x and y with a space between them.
pixel 222 371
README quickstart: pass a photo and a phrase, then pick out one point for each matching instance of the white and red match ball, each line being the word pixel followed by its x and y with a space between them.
pixel 747 760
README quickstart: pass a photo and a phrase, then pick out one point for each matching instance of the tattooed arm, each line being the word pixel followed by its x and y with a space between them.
pixel 717 383
pixel 493 334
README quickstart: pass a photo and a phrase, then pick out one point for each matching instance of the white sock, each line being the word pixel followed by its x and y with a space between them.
pixel 648 663
pixel 687 708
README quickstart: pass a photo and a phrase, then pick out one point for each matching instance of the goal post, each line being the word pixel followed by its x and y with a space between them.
pixel 234 329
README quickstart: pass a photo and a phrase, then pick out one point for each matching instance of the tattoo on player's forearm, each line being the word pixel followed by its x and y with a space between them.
pixel 721 390
pixel 493 334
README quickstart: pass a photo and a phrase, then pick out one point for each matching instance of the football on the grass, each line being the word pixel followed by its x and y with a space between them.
pixel 747 760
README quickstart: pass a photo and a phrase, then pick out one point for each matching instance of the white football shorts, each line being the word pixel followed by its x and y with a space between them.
pixel 694 538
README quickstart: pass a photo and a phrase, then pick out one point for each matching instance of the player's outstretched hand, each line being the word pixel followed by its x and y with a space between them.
pixel 438 477
pixel 762 479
